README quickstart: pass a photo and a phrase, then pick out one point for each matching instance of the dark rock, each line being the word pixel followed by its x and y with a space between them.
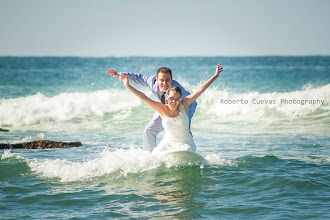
pixel 3 130
pixel 42 144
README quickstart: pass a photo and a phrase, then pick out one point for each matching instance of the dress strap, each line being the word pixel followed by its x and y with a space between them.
pixel 182 110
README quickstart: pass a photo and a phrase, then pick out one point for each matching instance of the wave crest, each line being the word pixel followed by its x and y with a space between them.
pixel 38 108
pixel 254 105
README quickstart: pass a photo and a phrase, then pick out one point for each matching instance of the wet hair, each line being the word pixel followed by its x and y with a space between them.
pixel 164 70
pixel 176 89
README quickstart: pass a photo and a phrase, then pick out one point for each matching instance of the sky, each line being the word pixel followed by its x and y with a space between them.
pixel 101 28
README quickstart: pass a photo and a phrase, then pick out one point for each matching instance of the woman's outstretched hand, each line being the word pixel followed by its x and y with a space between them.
pixel 125 80
pixel 218 70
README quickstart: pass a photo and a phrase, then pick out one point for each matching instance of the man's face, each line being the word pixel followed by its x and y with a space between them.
pixel 164 81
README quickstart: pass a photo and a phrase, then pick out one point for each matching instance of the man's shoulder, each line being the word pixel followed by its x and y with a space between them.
pixel 152 82
pixel 176 83
pixel 152 79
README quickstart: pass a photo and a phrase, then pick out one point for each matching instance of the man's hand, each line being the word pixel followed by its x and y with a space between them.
pixel 113 73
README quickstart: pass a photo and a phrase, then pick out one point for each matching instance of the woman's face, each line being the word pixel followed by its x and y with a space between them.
pixel 173 99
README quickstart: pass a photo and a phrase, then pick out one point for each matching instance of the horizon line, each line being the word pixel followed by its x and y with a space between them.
pixel 154 56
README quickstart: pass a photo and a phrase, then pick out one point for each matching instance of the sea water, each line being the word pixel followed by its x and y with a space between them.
pixel 263 127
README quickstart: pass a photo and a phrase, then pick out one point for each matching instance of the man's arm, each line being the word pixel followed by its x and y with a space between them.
pixel 135 77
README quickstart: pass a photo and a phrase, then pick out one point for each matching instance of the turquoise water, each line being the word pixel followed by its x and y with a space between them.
pixel 267 154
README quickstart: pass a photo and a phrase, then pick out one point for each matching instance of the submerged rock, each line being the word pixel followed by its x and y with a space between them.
pixel 42 144
pixel 3 130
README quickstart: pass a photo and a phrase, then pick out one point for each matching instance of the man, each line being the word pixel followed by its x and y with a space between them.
pixel 159 85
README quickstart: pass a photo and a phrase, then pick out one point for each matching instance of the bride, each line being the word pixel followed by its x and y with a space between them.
pixel 174 115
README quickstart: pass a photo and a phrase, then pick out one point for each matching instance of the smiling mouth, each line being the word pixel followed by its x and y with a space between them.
pixel 164 88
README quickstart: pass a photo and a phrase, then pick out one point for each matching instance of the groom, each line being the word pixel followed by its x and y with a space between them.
pixel 159 85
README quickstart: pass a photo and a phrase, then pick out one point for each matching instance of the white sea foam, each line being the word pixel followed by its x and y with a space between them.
pixel 40 136
pixel 117 164
pixel 7 154
pixel 249 114
pixel 260 105
pixel 64 110
pixel 215 159
pixel 39 109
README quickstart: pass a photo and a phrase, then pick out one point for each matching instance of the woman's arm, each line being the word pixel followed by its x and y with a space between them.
pixel 158 107
pixel 192 97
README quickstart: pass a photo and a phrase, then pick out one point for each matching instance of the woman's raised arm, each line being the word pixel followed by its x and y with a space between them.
pixel 186 101
pixel 157 106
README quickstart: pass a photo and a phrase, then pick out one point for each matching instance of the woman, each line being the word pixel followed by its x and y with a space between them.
pixel 174 115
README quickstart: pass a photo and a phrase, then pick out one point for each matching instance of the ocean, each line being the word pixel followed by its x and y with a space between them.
pixel 262 126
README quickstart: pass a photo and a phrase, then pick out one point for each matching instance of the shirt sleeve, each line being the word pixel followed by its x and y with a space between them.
pixel 139 78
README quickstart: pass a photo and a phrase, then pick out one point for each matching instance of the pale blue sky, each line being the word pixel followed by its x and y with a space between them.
pixel 164 28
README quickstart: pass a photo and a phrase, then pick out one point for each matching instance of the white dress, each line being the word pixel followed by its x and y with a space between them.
pixel 177 136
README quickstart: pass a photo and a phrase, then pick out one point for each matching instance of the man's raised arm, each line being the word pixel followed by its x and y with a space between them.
pixel 135 77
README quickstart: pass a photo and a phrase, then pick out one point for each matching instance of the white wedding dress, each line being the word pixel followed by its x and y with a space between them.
pixel 177 136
